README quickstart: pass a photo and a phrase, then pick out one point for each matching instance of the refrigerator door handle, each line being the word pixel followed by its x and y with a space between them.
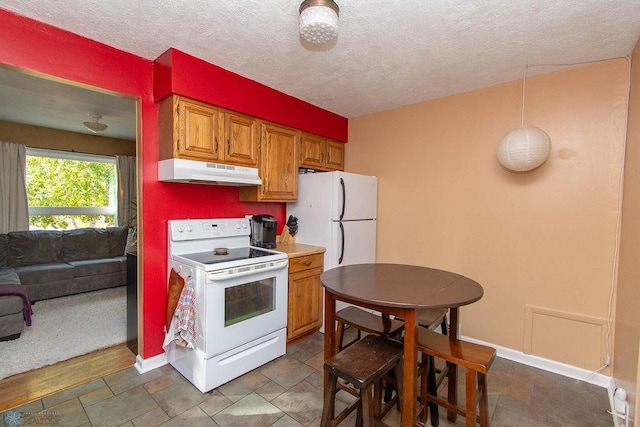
pixel 344 198
pixel 342 244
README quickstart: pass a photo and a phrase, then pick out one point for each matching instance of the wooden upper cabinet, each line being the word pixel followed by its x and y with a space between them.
pixel 313 151
pixel 320 153
pixel 189 129
pixel 242 139
pixel 278 166
pixel 194 130
pixel 335 155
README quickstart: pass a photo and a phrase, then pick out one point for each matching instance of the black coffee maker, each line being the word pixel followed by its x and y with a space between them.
pixel 263 231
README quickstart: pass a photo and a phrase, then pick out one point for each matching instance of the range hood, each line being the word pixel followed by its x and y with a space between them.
pixel 196 172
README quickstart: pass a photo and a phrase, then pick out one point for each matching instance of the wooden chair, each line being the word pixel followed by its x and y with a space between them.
pixel 363 365
pixel 475 358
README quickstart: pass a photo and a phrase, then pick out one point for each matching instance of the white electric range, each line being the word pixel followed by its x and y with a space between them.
pixel 241 299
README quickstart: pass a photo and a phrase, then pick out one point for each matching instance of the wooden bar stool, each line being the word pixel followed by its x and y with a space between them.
pixel 363 365
pixel 475 358
pixel 370 323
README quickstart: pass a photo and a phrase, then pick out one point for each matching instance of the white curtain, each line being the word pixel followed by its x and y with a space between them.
pixel 14 208
pixel 127 197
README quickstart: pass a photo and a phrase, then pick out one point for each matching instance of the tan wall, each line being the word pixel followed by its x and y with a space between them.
pixel 627 322
pixel 541 243
pixel 41 137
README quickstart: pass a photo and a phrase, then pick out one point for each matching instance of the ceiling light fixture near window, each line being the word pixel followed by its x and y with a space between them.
pixel 95 126
pixel 319 20
pixel 524 148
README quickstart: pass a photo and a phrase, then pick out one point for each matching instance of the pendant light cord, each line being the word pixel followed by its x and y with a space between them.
pixel 524 77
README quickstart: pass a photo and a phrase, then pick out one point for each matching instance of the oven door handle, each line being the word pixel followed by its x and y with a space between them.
pixel 232 273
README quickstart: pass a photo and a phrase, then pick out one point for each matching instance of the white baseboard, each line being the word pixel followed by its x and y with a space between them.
pixel 559 368
pixel 146 365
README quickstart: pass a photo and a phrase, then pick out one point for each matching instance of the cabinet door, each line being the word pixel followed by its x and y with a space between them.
pixel 200 127
pixel 305 302
pixel 278 166
pixel 241 134
pixel 312 153
pixel 335 155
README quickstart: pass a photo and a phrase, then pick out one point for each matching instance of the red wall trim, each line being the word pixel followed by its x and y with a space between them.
pixel 179 73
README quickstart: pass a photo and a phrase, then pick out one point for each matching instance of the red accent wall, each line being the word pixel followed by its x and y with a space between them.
pixel 39 47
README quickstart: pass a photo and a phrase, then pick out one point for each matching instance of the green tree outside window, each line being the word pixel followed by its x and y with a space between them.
pixel 74 193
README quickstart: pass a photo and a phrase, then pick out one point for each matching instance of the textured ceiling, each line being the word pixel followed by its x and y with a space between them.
pixel 388 53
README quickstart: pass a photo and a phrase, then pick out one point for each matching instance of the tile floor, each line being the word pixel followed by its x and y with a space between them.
pixel 287 392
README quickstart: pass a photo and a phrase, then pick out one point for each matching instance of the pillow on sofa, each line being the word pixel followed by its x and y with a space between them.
pixel 4 250
pixel 84 243
pixel 117 240
pixel 34 247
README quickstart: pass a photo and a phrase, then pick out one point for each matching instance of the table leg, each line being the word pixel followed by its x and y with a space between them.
pixel 409 374
pixel 453 369
pixel 329 330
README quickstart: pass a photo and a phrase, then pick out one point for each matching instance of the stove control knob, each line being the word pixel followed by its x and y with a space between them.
pixel 189 228
pixel 180 228
pixel 238 225
pixel 244 225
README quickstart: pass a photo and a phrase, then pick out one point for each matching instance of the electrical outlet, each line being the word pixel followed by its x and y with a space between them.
pixel 619 401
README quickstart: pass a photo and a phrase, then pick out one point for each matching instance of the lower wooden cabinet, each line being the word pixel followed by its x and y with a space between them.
pixel 305 295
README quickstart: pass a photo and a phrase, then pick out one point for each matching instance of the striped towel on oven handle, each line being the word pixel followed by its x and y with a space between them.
pixel 182 330
pixel 187 315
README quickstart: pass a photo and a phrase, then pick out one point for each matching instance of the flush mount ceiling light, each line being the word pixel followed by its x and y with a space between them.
pixel 94 126
pixel 319 20
pixel 524 148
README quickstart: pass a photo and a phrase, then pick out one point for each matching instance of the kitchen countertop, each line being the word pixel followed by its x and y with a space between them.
pixel 297 249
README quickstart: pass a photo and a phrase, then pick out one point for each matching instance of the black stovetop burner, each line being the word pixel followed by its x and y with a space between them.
pixel 233 254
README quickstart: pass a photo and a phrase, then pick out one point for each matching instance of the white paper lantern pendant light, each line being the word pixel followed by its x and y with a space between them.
pixel 524 148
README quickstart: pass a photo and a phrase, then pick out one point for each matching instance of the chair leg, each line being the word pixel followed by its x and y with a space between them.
pixel 470 403
pixel 388 389
pixel 484 401
pixel 452 394
pixel 329 402
pixel 377 399
pixel 443 326
pixel 424 383
pixel 339 336
pixel 398 371
pixel 367 410
pixel 432 390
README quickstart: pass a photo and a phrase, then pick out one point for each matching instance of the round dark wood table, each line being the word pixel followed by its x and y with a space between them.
pixel 398 290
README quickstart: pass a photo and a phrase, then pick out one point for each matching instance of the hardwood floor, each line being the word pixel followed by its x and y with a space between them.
pixel 33 385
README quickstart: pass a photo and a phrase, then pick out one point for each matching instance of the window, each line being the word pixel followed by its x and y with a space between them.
pixel 68 190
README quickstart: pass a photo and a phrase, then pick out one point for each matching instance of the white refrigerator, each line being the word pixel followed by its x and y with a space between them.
pixel 337 210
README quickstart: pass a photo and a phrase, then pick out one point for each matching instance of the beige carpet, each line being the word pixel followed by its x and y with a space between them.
pixel 66 327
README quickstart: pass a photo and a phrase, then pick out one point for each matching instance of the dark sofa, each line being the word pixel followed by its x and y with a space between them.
pixel 52 264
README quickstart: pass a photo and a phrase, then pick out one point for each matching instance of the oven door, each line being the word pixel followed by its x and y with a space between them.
pixel 243 304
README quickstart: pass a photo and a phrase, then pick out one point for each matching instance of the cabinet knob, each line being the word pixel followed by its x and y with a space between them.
pixel 307 263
